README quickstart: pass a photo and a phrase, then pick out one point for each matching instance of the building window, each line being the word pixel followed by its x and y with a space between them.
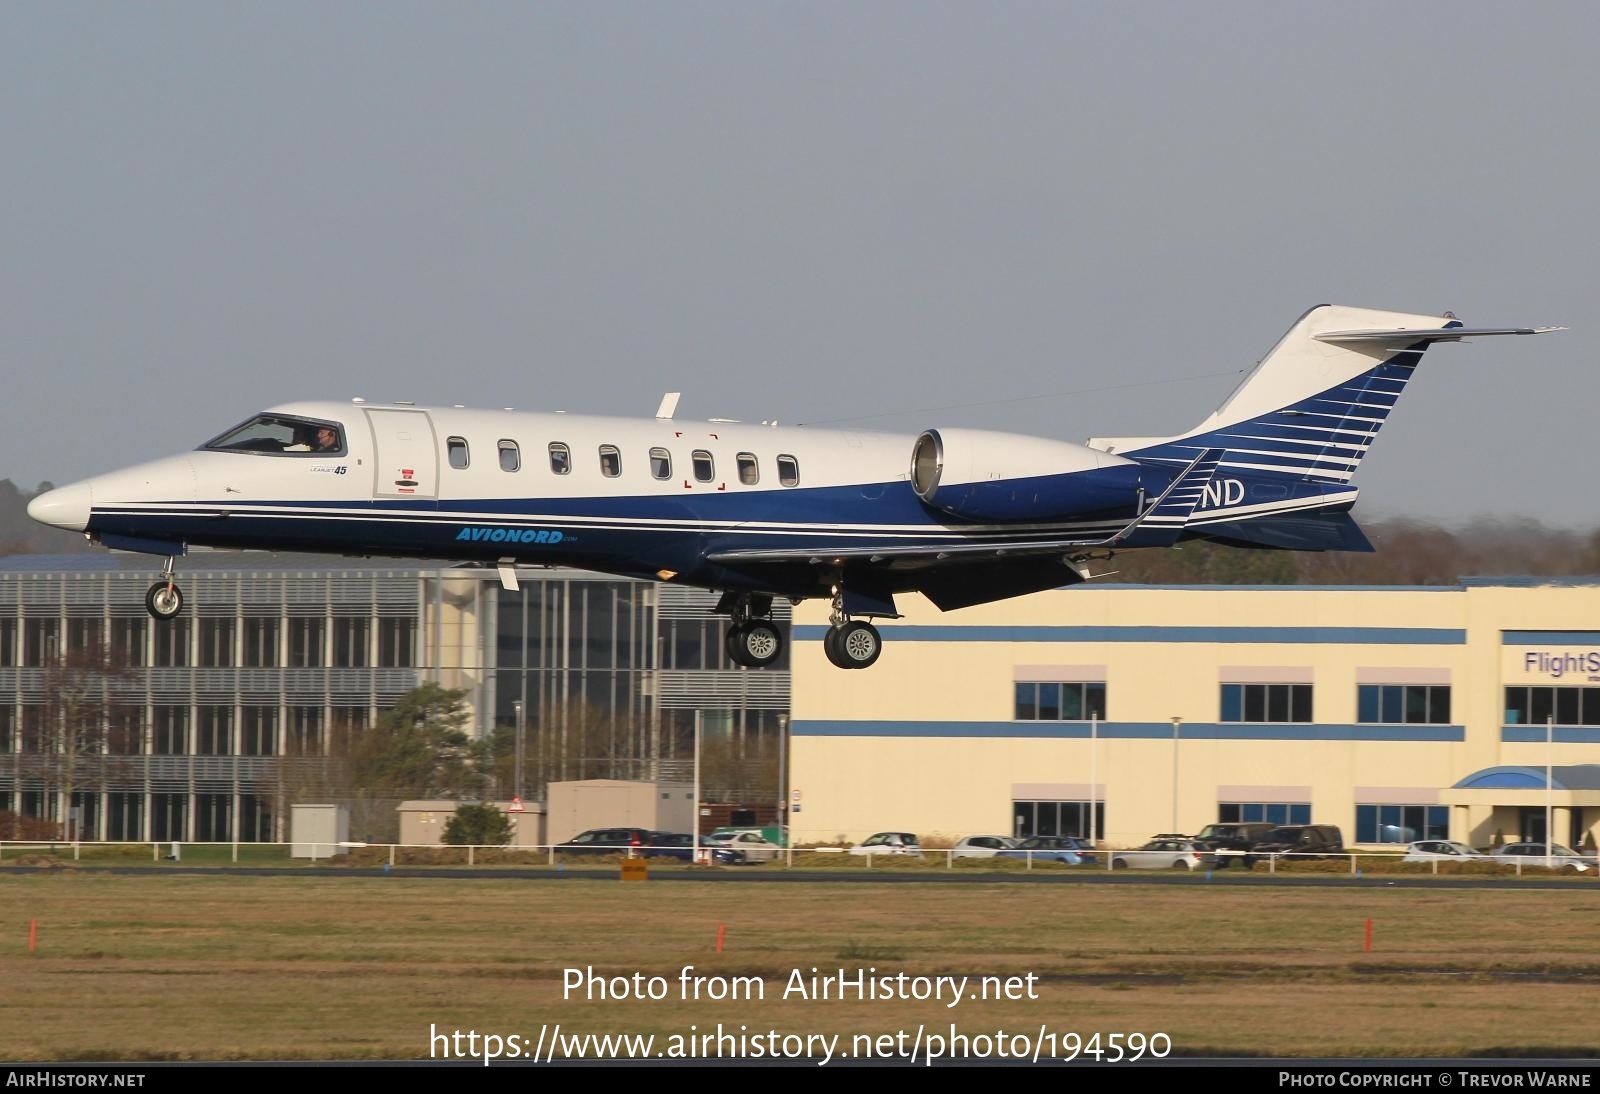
pixel 83 634
pixel 305 642
pixel 8 641
pixel 350 642
pixel 258 731
pixel 305 731
pixel 610 461
pixel 260 643
pixel 560 458
pixel 1401 823
pixel 170 733
pixel 1056 818
pixel 456 447
pixel 395 640
pixel 749 469
pixel 214 731
pixel 788 471
pixel 8 728
pixel 1266 702
pixel 510 456
pixel 660 463
pixel 127 641
pixel 40 638
pixel 216 642
pixel 1392 704
pixel 172 644
pixel 705 468
pixel 1060 702
pixel 1569 706
pixel 1270 812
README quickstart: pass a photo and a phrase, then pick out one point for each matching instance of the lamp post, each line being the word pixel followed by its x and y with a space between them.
pixel 1177 725
pixel 1094 747
pixel 516 778
pixel 1549 784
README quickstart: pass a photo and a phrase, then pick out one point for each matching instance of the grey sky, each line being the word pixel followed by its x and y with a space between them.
pixel 809 211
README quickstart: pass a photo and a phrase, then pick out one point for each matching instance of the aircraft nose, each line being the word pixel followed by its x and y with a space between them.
pixel 66 507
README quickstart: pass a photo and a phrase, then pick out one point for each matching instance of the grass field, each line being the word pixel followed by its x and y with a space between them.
pixel 337 967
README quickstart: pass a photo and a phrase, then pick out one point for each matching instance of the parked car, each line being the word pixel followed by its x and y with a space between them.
pixel 888 843
pixel 1067 850
pixel 1231 841
pixel 1441 850
pixel 1164 854
pixel 981 846
pixel 1299 840
pixel 745 845
pixel 680 846
pixel 1533 854
pixel 606 841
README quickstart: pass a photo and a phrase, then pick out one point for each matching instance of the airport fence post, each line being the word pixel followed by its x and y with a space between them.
pixel 1353 860
pixel 155 852
pixel 391 854
pixel 469 854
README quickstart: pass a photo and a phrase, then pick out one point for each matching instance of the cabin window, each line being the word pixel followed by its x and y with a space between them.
pixel 560 458
pixel 788 471
pixel 660 463
pixel 510 456
pixel 457 449
pixel 281 435
pixel 749 470
pixel 705 468
pixel 610 461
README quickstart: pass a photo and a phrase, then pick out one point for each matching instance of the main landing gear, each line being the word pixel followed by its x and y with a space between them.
pixel 164 600
pixel 850 643
pixel 752 640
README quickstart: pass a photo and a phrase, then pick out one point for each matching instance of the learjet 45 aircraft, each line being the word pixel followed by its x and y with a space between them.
pixel 961 516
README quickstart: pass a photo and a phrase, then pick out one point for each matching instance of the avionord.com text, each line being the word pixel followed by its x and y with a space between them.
pixel 728 1042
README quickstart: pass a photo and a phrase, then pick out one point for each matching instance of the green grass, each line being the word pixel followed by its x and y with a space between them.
pixel 330 966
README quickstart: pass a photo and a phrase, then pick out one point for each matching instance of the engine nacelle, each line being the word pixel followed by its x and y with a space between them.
pixel 980 475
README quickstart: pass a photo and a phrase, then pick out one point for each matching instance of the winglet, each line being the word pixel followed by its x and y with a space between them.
pixel 1163 521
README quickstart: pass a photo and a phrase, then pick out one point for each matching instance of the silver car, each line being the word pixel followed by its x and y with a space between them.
pixel 1533 854
pixel 1442 850
pixel 982 846
pixel 1165 854
pixel 747 846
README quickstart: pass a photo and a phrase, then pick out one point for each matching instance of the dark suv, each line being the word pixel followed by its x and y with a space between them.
pixel 1300 840
pixel 1231 841
pixel 606 841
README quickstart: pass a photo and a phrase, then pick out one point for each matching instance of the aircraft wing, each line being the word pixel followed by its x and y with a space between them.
pixel 1165 519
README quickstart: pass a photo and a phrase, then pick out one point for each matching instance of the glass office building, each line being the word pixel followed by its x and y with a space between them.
pixel 209 727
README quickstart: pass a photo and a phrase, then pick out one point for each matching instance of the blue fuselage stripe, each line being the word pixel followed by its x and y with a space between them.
pixel 1369 636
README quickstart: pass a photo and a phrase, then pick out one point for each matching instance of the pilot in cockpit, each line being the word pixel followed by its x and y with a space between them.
pixel 327 439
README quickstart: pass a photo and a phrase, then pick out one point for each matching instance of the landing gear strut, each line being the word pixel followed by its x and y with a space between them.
pixel 850 643
pixel 752 640
pixel 164 600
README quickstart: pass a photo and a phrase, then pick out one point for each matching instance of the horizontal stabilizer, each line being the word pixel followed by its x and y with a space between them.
pixel 1399 336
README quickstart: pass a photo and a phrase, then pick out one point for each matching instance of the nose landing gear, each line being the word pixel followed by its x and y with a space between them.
pixel 164 600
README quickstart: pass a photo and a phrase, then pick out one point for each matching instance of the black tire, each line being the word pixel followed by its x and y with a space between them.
pixel 732 644
pixel 759 642
pixel 857 645
pixel 1119 864
pixel 163 601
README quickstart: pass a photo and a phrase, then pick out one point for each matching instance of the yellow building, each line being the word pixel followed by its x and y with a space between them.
pixel 1394 713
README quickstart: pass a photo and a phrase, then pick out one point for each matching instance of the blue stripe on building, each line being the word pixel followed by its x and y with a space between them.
pixel 1550 638
pixel 1360 636
pixel 1190 731
pixel 1537 735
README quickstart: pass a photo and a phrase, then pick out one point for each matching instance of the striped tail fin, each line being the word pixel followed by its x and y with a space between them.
pixel 1311 409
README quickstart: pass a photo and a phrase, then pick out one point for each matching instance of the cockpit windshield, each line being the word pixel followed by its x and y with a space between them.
pixel 281 435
